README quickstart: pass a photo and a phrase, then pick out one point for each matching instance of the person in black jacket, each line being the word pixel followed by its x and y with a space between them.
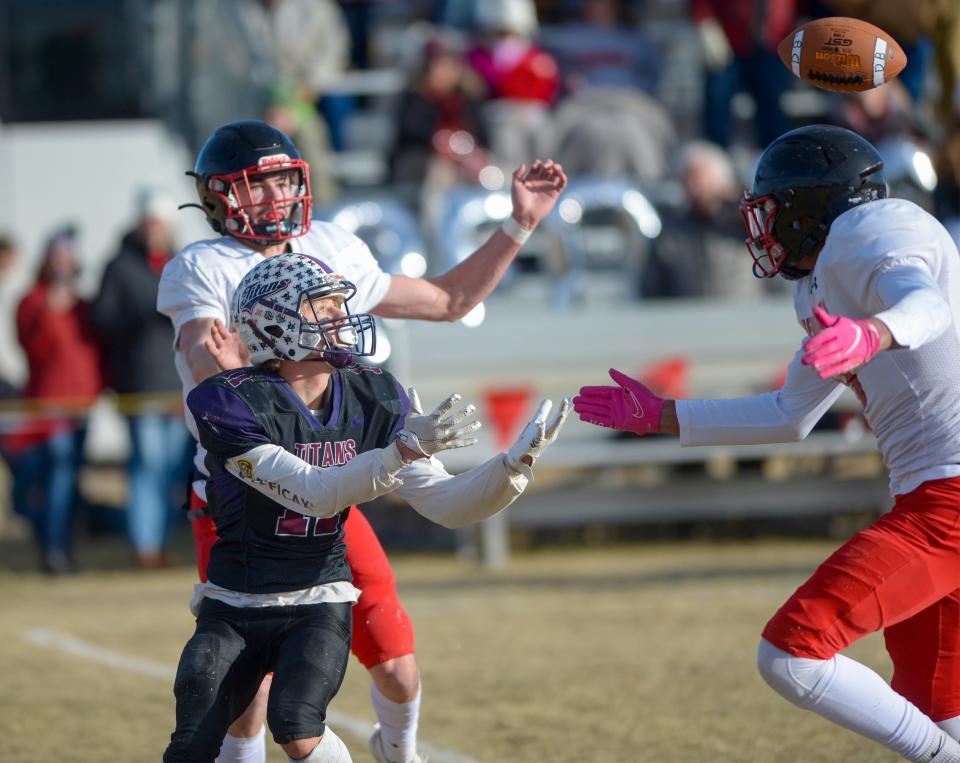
pixel 440 137
pixel 136 343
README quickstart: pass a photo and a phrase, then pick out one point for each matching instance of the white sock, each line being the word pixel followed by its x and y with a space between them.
pixel 330 749
pixel 244 749
pixel 398 725
pixel 951 726
pixel 853 696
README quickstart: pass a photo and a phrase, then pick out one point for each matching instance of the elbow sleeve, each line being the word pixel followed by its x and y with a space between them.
pixel 456 501
pixel 313 490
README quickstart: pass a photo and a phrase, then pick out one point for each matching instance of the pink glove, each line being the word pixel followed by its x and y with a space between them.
pixel 844 345
pixel 630 407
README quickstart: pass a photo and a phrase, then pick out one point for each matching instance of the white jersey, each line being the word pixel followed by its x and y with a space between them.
pixel 891 260
pixel 199 283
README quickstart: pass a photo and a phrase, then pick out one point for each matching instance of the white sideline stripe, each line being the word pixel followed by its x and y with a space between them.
pixel 63 642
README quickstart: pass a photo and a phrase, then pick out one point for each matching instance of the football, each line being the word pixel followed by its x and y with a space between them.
pixel 842 54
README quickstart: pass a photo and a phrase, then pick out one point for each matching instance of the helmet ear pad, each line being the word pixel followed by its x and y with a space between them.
pixel 213 208
pixel 804 215
pixel 798 231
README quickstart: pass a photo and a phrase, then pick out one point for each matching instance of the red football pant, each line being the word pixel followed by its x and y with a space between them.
pixel 902 575
pixel 382 630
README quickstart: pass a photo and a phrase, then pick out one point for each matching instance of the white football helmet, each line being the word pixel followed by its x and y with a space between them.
pixel 272 312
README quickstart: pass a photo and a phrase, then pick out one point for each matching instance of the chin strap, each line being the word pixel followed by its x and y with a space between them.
pixel 792 273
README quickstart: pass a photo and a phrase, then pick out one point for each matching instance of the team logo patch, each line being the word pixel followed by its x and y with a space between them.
pixel 245 468
pixel 257 291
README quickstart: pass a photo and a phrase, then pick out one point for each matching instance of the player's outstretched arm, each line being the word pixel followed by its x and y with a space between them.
pixel 450 296
pixel 630 406
pixel 462 499
pixel 314 490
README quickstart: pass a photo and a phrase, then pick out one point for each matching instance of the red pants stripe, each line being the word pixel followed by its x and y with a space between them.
pixel 900 575
pixel 382 630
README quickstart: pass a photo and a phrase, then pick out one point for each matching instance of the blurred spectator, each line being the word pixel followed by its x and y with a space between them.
pixel 299 119
pixel 739 40
pixel 54 330
pixel 886 116
pixel 257 54
pixel 700 251
pixel 505 55
pixel 8 261
pixel 8 390
pixel 603 47
pixel 359 15
pixel 946 36
pixel 522 79
pixel 439 122
pixel 878 113
pixel 611 132
pixel 8 257
pixel 948 173
pixel 138 348
pixel 947 49
pixel 608 122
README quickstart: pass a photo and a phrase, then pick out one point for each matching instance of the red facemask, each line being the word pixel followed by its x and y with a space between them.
pixel 759 214
pixel 277 217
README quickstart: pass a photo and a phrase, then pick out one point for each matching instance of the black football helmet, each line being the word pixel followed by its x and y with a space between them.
pixel 805 179
pixel 229 171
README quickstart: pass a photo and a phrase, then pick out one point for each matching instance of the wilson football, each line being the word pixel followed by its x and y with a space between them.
pixel 842 54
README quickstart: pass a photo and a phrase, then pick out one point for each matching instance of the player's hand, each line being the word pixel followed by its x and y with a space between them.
pixel 842 346
pixel 535 192
pixel 537 435
pixel 226 347
pixel 441 429
pixel 630 406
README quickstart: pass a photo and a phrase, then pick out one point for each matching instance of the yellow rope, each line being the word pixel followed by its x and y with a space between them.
pixel 36 409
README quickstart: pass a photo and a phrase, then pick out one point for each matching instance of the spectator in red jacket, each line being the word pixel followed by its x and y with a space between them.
pixel 64 379
pixel 522 79
pixel 506 57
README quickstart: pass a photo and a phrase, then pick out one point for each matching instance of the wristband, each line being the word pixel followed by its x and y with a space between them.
pixel 515 230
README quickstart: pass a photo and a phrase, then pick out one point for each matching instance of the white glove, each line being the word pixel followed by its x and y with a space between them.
pixel 537 434
pixel 430 434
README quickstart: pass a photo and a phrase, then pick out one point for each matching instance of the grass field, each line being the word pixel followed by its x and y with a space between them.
pixel 633 654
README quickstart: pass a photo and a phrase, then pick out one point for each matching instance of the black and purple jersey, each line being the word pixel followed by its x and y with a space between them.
pixel 263 546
